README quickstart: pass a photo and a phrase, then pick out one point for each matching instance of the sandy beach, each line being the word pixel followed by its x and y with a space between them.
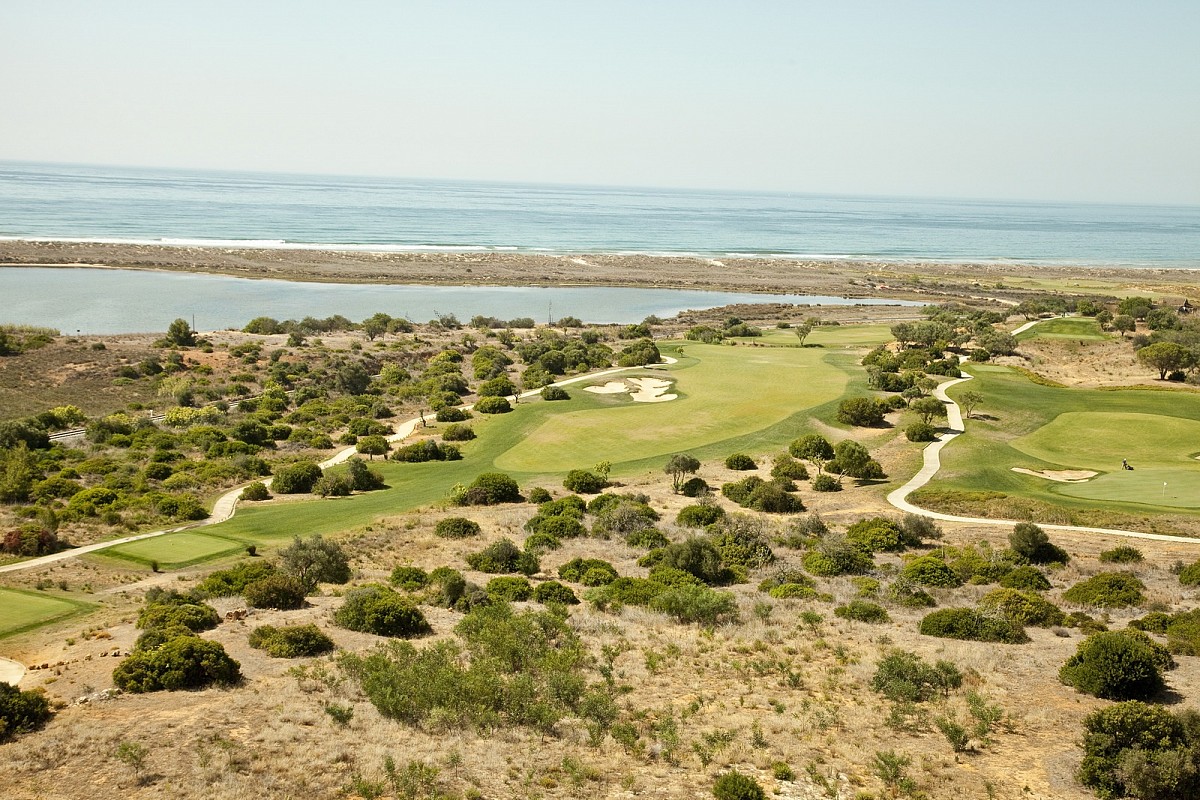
pixel 912 281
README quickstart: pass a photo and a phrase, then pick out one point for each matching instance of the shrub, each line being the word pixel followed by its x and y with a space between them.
pixel 316 560
pixel 626 515
pixel 967 623
pixel 409 579
pixel 21 712
pixel 280 590
pixel 930 571
pixel 689 604
pixel 785 466
pixel 862 611
pixel 554 592
pixel 903 676
pixel 739 461
pixel 904 592
pixel 742 542
pixel 584 482
pixel 1022 608
pixel 793 591
pixel 182 662
pixel 699 515
pixel 588 571
pixel 649 538
pixel 773 499
pixel 739 491
pixel 426 450
pixel 835 555
pixel 491 488
pixel 555 393
pixel 694 487
pixel 558 526
pixel 1114 665
pixel 1031 542
pixel 1190 575
pixel 1107 590
pixel 456 528
pixel 877 535
pixel 379 610
pixel 696 555
pixel 572 506
pixel 333 486
pixel 539 495
pixel 826 483
pixel 503 556
pixel 458 433
pixel 256 491
pixel 510 589
pixel 1132 749
pixel 493 405
pixel 733 785
pixel 293 641
pixel 864 412
pixel 1122 554
pixel 298 478
pixel 233 581
pixel 920 432
pixel 193 616
pixel 1025 577
pixel 452 414
pixel 625 591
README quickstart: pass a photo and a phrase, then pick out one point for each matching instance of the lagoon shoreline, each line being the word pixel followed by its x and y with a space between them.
pixel 846 278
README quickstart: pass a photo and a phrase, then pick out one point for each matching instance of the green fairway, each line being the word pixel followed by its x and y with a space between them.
pixel 826 336
pixel 1082 328
pixel 176 549
pixel 1022 424
pixel 22 610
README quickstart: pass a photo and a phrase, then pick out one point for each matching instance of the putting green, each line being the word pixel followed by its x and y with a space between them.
pixel 1084 328
pixel 729 392
pixel 1099 440
pixel 175 549
pixel 22 610
pixel 1149 486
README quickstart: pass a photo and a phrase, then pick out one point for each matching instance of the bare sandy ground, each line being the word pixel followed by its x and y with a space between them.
pixel 1061 475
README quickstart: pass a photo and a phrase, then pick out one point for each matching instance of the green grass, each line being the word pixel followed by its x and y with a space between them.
pixel 175 550
pixel 22 610
pixel 1081 328
pixel 827 336
pixel 1043 427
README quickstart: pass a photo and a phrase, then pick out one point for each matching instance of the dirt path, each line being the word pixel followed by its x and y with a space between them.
pixel 11 671
pixel 226 505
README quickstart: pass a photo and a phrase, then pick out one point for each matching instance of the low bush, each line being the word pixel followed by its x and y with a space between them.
pixel 560 526
pixel 1190 575
pixel 539 495
pixel 740 461
pixel 541 543
pixel 488 489
pixel 773 498
pixel 1025 577
pixel 688 604
pixel 1131 749
pixel 493 405
pixel 696 555
pixel 554 592
pixel 733 785
pixel 1031 542
pixel 904 676
pixel 181 662
pixel 826 483
pixel 458 433
pixel 907 593
pixel 1022 608
pixel 694 487
pixel 555 393
pixel 426 450
pixel 510 589
pixel 452 414
pixel 195 616
pixel 293 641
pixel 409 579
pixel 739 491
pixel 862 611
pixel 1122 554
pixel 280 591
pixel 379 610
pixel 699 515
pixel 298 478
pixel 233 581
pixel 835 555
pixel 648 538
pixel 583 481
pixel 256 491
pixel 930 571
pixel 1107 590
pixel 877 534
pixel 456 528
pixel 625 592
pixel 588 571
pixel 503 557
pixel 969 624
pixel 1114 665
pixel 793 591
pixel 920 432
pixel 784 466
pixel 742 542
pixel 21 712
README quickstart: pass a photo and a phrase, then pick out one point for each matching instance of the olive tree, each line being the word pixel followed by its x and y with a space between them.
pixel 678 466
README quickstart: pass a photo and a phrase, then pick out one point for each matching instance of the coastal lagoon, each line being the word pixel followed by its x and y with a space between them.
pixel 105 301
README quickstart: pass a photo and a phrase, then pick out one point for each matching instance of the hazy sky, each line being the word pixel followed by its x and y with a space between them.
pixel 1052 99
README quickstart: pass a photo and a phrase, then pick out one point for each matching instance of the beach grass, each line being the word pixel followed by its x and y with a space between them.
pixel 22 610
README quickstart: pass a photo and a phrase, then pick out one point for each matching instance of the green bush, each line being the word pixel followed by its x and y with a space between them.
pixel 1122 554
pixel 426 450
pixel 456 528
pixel 541 543
pixel 733 785
pixel 772 498
pixel 493 405
pixel 864 412
pixel 583 481
pixel 1022 608
pixel 1025 577
pixel 588 571
pixel 1190 575
pixel 256 491
pixel 862 611
pixel 21 712
pixel 379 610
pixel 560 526
pixel 233 581
pixel 503 557
pixel 539 495
pixel 835 555
pixel 491 488
pixel 740 461
pixel 509 589
pixel 1114 665
pixel 316 560
pixel 903 676
pixel 194 616
pixel 409 579
pixel 457 433
pixel 555 393
pixel 784 466
pixel 626 515
pixel 293 641
pixel 280 590
pixel 877 534
pixel 699 515
pixel 698 604
pixel 1107 590
pixel 649 538
pixel 554 592
pixel 920 432
pixel 907 593
pixel 742 542
pixel 930 571
pixel 1132 749
pixel 696 555
pixel 183 662
pixel 571 506
pixel 793 591
pixel 452 414
pixel 826 483
pixel 298 478
pixel 969 624
pixel 447 587
pixel 625 592
pixel 1031 542
pixel 694 487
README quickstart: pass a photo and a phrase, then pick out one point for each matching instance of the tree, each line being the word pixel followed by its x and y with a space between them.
pixel 969 401
pixel 802 331
pixel 1031 543
pixel 1132 749
pixel 353 378
pixel 854 461
pixel 18 470
pixel 1165 357
pixel 1114 665
pixel 1124 323
pixel 813 448
pixel 180 334
pixel 678 466
pixel 372 446
pixel 316 560
pixel 864 412
pixel 928 409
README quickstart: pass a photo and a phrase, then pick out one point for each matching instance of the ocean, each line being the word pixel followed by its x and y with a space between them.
pixel 111 204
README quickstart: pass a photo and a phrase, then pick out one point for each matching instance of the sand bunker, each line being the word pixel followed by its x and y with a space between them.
pixel 11 671
pixel 1062 475
pixel 640 390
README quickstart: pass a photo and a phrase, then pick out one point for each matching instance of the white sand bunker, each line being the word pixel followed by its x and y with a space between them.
pixel 1062 475
pixel 640 390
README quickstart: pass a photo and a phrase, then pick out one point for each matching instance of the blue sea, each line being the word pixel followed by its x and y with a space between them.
pixel 110 204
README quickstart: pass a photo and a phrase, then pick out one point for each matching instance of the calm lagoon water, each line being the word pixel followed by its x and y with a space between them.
pixel 100 301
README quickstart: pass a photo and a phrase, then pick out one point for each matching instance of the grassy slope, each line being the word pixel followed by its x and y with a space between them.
pixel 1084 328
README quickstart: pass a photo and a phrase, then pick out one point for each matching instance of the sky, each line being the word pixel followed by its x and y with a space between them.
pixel 1063 100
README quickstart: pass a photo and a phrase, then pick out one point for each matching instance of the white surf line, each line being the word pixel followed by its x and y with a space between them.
pixel 226 505
pixel 933 462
